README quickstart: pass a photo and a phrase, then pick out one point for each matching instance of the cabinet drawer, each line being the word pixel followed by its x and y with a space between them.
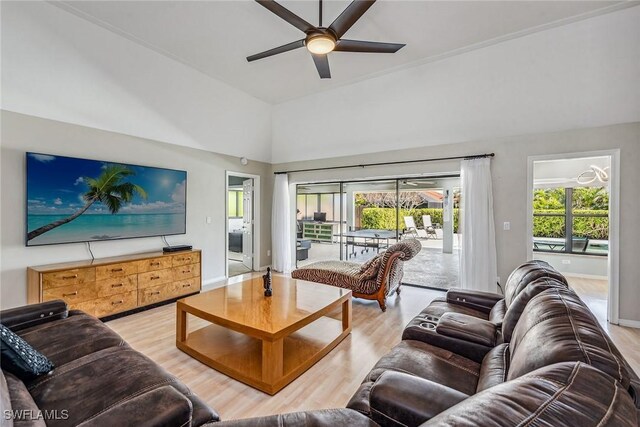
pixel 154 264
pixel 71 294
pixel 184 259
pixel 155 294
pixel 116 270
pixel 109 305
pixel 76 276
pixel 154 278
pixel 186 271
pixel 184 287
pixel 116 285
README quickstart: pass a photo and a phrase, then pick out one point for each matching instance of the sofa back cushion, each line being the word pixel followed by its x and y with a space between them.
pixel 525 274
pixel 564 394
pixel 556 327
pixel 515 310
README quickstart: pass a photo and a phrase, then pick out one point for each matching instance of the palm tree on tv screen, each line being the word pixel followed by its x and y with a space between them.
pixel 110 188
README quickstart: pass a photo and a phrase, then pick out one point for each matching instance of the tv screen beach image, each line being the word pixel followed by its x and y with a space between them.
pixel 79 200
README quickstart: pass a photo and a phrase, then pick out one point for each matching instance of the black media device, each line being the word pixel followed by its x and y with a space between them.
pixel 177 248
pixel 320 216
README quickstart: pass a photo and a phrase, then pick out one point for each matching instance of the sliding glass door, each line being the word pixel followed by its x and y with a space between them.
pixel 357 220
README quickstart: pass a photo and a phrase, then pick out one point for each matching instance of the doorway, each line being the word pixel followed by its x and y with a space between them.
pixel 240 223
pixel 573 224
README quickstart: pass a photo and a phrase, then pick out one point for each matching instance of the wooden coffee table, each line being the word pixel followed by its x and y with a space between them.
pixel 265 342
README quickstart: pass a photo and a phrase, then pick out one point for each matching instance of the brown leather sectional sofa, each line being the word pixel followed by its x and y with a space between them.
pixel 98 379
pixel 536 356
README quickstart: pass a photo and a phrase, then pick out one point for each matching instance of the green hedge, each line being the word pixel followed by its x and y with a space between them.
pixel 385 218
pixel 543 226
pixel 553 226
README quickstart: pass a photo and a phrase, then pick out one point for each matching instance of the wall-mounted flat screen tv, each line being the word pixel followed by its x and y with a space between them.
pixel 71 200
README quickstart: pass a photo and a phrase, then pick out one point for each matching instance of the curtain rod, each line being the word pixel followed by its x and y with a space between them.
pixel 364 165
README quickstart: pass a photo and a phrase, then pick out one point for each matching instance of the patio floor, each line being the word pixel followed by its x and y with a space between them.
pixel 430 268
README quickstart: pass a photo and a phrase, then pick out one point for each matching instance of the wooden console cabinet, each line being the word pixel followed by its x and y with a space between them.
pixel 108 286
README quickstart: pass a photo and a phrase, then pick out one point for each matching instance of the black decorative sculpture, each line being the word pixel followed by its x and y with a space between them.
pixel 268 291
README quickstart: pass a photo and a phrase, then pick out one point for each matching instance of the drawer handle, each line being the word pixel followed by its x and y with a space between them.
pixel 117 285
pixel 115 270
pixel 188 285
pixel 117 302
pixel 186 271
pixel 155 277
pixel 71 294
pixel 69 277
pixel 155 293
pixel 184 259
pixel 155 263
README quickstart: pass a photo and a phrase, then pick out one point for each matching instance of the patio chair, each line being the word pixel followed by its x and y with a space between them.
pixel 410 226
pixel 373 280
pixel 429 227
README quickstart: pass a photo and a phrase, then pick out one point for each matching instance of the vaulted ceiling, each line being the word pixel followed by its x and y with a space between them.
pixel 215 37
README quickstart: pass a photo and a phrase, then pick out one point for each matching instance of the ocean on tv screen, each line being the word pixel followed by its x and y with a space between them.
pixel 78 200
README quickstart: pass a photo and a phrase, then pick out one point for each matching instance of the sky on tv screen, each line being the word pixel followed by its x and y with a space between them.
pixel 57 187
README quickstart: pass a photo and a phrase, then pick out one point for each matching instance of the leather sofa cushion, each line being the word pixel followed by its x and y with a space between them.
pixel 497 312
pixel 527 273
pixel 21 403
pixel 494 368
pixel 102 381
pixel 318 418
pixel 467 328
pixel 439 306
pixel 71 338
pixel 431 363
pixel 519 303
pixel 565 394
pixel 557 327
pixel 420 399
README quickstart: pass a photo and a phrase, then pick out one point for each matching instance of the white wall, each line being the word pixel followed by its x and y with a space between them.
pixel 584 74
pixel 589 266
pixel 206 196
pixel 58 66
pixel 511 196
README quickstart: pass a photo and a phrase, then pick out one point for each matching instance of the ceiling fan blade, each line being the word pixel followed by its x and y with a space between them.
pixel 287 15
pixel 276 50
pixel 368 47
pixel 349 16
pixel 322 64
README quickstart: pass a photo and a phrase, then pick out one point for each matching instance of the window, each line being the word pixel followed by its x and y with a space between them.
pixel 308 204
pixel 571 220
pixel 236 204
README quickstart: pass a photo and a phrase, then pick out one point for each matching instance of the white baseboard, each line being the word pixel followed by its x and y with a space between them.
pixel 629 323
pixel 585 276
pixel 216 282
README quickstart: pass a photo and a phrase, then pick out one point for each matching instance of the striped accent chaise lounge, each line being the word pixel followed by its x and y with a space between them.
pixel 374 280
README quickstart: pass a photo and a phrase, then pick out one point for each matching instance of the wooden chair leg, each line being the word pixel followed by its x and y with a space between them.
pixel 383 303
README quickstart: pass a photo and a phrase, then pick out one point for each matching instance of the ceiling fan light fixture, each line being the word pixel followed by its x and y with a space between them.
pixel 320 45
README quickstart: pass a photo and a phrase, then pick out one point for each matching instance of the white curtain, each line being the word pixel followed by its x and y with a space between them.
pixel 281 225
pixel 478 265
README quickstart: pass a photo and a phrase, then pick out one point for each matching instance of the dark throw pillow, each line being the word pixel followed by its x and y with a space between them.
pixel 19 358
pixel 369 270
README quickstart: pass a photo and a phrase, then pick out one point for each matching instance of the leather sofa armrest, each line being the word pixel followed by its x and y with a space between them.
pixel 163 406
pixel 399 399
pixel 317 418
pixel 483 301
pixel 35 314
pixel 468 328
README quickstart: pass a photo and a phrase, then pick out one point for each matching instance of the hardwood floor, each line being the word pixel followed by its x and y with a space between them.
pixel 332 381
pixel 328 384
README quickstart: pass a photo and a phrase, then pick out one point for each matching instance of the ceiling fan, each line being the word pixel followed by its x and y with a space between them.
pixel 320 40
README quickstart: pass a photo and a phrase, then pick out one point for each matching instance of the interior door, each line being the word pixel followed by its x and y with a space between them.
pixel 247 223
